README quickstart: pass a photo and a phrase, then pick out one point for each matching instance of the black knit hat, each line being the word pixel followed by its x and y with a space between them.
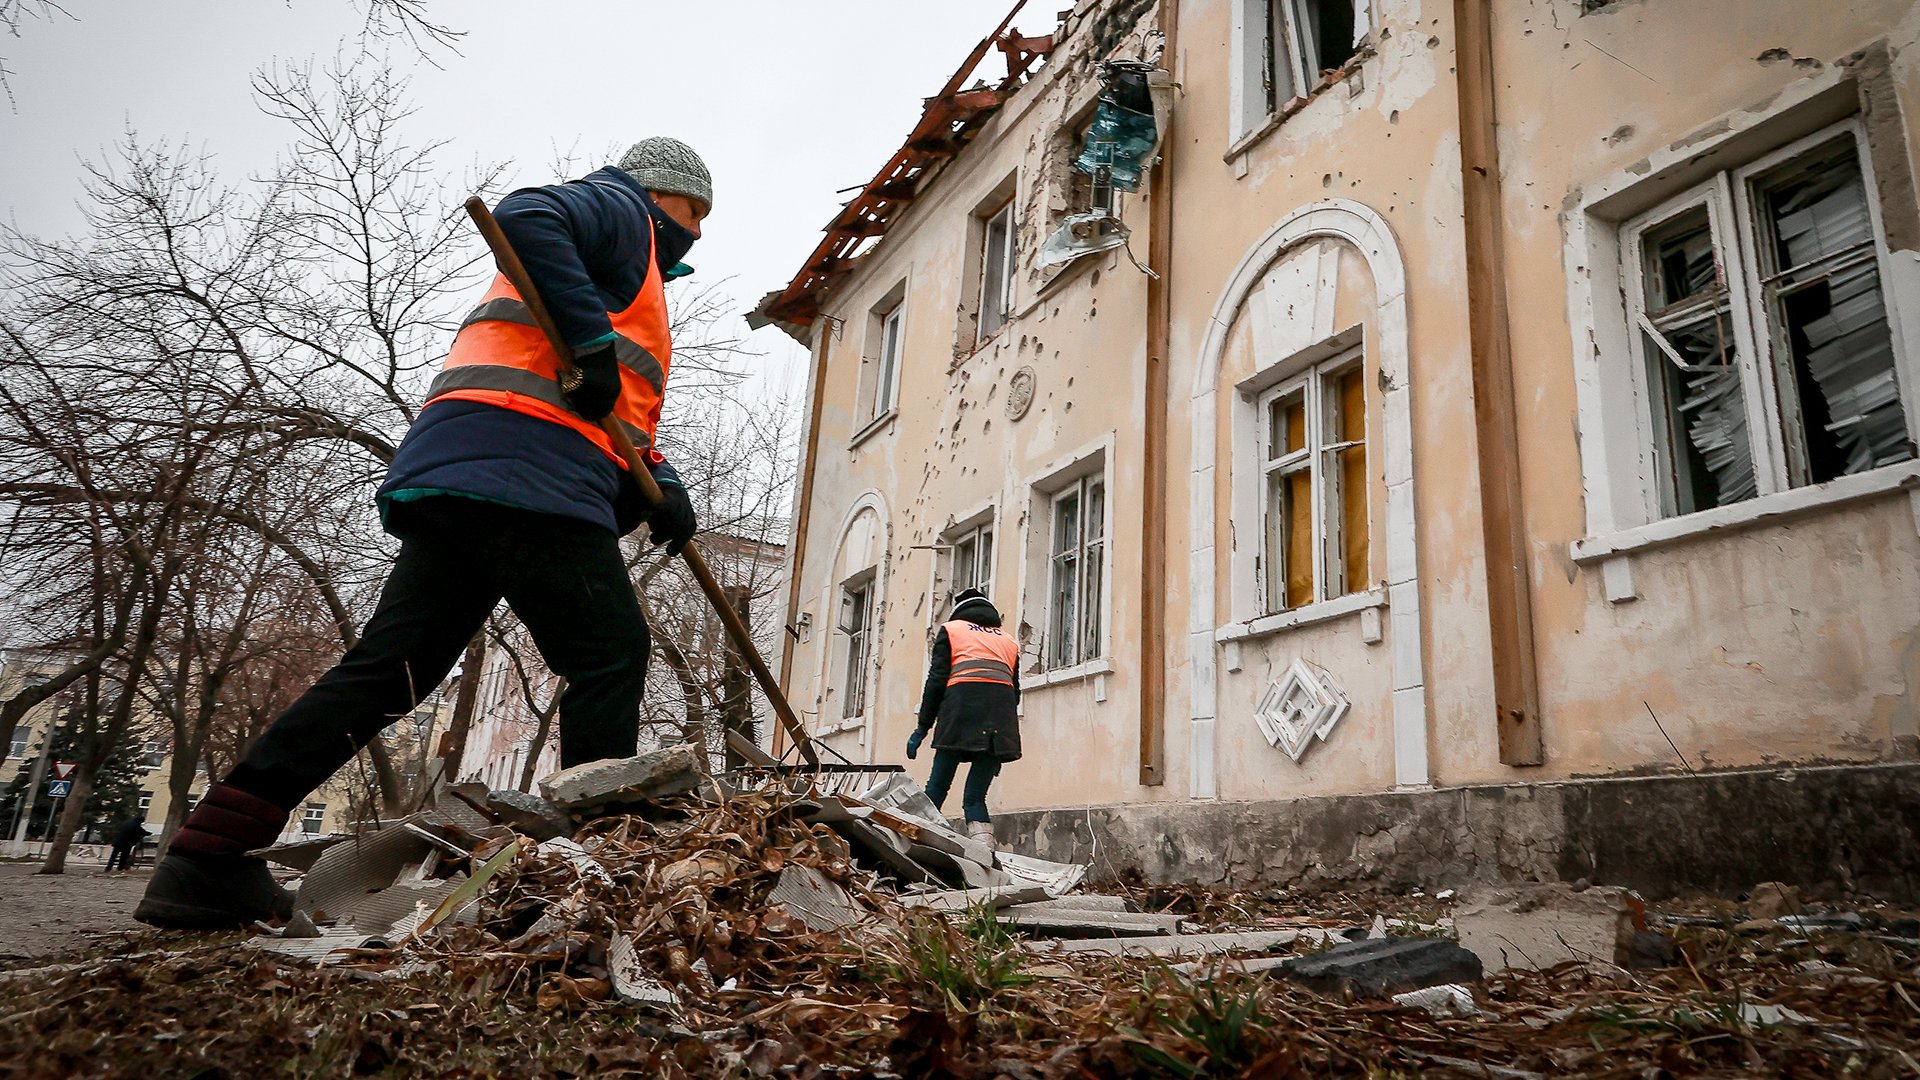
pixel 968 597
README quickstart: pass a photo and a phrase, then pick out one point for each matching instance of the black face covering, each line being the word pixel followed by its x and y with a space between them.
pixel 671 241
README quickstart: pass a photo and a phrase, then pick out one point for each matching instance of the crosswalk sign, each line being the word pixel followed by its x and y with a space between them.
pixel 57 789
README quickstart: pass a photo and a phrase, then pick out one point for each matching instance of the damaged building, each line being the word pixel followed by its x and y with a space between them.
pixel 1415 442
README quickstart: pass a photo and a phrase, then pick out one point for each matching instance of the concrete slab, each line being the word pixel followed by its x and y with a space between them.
pixel 530 814
pixel 644 778
pixel 1176 945
pixel 1088 924
pixel 1535 926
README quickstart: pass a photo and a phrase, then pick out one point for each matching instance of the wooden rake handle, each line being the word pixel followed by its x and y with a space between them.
pixel 737 629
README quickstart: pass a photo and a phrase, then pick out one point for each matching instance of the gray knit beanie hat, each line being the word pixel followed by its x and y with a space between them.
pixel 670 166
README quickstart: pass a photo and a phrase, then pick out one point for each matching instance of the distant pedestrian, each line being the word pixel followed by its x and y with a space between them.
pixel 971 705
pixel 127 838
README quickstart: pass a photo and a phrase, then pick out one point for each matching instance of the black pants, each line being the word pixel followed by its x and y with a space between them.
pixel 973 796
pixel 121 857
pixel 459 557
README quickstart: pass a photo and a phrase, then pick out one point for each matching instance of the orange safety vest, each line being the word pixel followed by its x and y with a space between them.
pixel 500 357
pixel 981 654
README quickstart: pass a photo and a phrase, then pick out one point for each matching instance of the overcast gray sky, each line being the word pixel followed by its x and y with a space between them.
pixel 787 101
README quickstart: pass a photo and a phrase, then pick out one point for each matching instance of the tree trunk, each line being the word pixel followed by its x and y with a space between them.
pixel 541 730
pixel 465 697
pixel 72 808
pixel 736 695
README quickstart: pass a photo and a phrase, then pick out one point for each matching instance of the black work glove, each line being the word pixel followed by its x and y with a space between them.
pixel 913 742
pixel 672 521
pixel 599 385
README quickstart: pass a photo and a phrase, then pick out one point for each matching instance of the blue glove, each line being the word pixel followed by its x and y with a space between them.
pixel 913 742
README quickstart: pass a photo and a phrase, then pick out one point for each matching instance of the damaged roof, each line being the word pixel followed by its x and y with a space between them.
pixel 949 120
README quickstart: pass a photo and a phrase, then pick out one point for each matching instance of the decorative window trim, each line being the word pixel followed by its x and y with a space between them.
pixel 874 427
pixel 1306 615
pixel 1087 669
pixel 821 720
pixel 1781 506
pixel 1368 233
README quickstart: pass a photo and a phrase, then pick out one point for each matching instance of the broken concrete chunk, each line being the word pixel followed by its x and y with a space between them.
pixel 530 814
pixel 1176 945
pixel 609 781
pixel 1533 927
pixel 807 895
pixel 1087 924
pixel 1382 966
pixel 1772 899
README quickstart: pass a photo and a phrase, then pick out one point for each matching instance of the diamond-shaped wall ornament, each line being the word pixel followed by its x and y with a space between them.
pixel 1304 705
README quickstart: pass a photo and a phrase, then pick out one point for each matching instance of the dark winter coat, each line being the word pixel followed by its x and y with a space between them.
pixel 587 247
pixel 131 832
pixel 974 719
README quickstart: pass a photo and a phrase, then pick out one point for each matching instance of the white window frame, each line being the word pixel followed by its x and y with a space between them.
pixel 21 736
pixel 1728 199
pixel 1261 28
pixel 1324 489
pixel 146 804
pixel 312 817
pixel 978 573
pixel 1085 642
pixel 886 389
pixel 1000 307
pixel 856 622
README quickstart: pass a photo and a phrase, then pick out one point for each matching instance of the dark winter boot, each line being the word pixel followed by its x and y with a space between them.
pixel 207 881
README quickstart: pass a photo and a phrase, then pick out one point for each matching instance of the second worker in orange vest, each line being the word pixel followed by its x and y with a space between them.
pixel 971 706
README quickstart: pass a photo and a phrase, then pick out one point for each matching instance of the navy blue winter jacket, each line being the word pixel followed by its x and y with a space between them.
pixel 585 243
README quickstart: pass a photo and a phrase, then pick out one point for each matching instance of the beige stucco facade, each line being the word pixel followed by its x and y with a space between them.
pixel 1784 628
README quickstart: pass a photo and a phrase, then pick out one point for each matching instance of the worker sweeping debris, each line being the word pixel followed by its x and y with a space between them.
pixel 971 705
pixel 511 485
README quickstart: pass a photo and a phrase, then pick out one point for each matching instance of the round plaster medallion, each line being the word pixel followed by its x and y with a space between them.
pixel 1020 393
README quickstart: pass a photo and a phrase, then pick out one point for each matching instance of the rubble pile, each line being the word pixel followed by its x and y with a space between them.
pixel 643 918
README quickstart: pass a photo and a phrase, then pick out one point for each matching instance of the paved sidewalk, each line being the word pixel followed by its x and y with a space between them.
pixel 47 915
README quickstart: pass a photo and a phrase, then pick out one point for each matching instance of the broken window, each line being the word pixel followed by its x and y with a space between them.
pixel 1768 358
pixel 881 357
pixel 970 563
pixel 996 271
pixel 856 622
pixel 1304 40
pixel 1313 453
pixel 1077 573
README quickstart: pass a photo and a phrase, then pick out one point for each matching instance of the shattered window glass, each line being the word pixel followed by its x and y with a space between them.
pixel 1833 349
pixel 1702 447
pixel 1783 258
